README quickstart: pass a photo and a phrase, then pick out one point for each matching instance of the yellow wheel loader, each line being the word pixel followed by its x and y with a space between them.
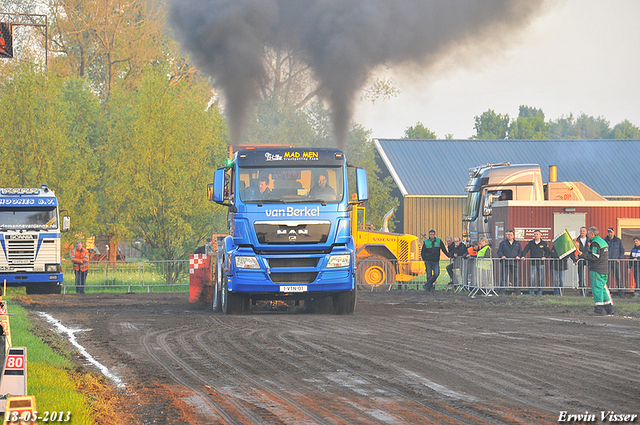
pixel 383 258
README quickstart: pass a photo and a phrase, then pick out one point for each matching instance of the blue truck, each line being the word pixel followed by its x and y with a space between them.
pixel 289 223
pixel 30 239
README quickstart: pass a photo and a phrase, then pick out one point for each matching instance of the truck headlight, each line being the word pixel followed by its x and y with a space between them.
pixel 339 261
pixel 51 268
pixel 247 263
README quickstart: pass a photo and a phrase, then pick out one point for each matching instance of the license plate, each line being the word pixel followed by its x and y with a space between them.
pixel 295 288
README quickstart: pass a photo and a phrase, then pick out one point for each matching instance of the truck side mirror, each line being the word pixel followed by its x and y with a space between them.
pixel 218 186
pixel 361 184
pixel 488 200
pixel 66 223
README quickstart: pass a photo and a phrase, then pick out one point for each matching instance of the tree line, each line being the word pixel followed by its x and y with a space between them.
pixel 128 133
pixel 531 124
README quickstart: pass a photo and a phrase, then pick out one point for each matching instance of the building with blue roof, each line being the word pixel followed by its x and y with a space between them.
pixel 431 175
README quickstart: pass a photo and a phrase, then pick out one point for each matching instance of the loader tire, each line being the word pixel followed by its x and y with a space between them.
pixel 376 273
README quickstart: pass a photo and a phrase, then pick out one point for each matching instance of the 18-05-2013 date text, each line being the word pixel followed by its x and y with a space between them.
pixel 15 417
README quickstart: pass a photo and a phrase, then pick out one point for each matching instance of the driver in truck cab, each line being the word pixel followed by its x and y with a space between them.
pixel 322 189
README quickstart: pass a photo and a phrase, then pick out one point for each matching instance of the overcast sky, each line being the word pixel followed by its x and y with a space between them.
pixel 577 56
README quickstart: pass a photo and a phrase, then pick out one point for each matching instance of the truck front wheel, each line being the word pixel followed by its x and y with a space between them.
pixel 217 279
pixel 344 302
pixel 53 288
pixel 231 303
pixel 44 288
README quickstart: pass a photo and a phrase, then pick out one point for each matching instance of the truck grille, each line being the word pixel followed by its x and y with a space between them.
pixel 292 233
pixel 21 252
pixel 293 277
pixel 293 262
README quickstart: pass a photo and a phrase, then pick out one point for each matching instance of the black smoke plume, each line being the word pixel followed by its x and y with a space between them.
pixel 341 40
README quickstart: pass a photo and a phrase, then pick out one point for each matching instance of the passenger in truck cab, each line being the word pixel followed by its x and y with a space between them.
pixel 263 188
pixel 321 189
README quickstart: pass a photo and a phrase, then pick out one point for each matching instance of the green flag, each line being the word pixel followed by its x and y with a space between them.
pixel 563 244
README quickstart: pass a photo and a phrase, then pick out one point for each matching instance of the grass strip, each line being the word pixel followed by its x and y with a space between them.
pixel 56 382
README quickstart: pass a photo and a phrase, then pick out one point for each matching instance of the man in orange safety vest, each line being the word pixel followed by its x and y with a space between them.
pixel 80 260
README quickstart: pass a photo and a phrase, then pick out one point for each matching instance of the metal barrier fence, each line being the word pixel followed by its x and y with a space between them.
pixel 496 276
pixel 117 276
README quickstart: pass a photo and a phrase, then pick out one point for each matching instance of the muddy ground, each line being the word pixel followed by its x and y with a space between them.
pixel 404 357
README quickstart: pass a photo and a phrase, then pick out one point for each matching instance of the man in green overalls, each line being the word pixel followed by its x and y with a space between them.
pixel 598 256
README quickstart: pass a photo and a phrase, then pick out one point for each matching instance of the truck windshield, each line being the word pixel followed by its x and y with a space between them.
pixel 471 206
pixel 290 185
pixel 28 218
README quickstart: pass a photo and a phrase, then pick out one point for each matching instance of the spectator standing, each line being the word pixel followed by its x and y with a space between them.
pixel 430 254
pixel 538 252
pixel 634 263
pixel 485 275
pixel 80 259
pixel 470 262
pixel 457 251
pixel 509 251
pixel 448 243
pixel 616 253
pixel 582 245
pixel 598 257
pixel 558 268
pixel 207 248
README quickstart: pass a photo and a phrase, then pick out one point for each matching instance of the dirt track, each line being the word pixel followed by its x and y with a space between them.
pixel 403 357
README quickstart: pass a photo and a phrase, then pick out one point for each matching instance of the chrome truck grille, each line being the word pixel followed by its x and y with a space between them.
pixel 21 250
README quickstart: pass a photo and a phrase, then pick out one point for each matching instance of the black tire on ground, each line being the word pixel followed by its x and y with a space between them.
pixel 33 288
pixel 322 305
pixel 53 288
pixel 217 275
pixel 43 288
pixel 231 303
pixel 344 302
pixel 375 272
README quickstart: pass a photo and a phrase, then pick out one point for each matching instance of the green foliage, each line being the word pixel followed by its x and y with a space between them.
pixel 419 131
pixel 529 127
pixel 490 125
pixel 625 130
pixel 109 43
pixel 381 88
pixel 530 124
pixel 562 128
pixel 588 127
pixel 49 380
pixel 278 123
pixel 360 151
pixel 166 144
pixel 52 126
pixel 530 112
